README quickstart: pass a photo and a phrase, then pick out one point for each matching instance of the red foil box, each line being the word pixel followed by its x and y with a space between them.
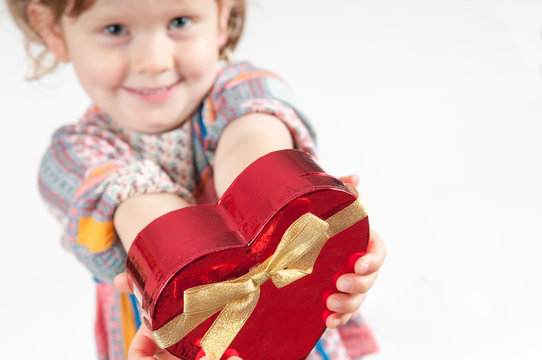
pixel 207 244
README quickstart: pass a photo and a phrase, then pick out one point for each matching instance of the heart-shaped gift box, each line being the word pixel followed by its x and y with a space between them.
pixel 200 273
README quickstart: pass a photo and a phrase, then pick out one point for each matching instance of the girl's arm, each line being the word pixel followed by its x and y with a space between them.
pixel 242 142
pixel 245 140
pixel 85 174
pixel 135 213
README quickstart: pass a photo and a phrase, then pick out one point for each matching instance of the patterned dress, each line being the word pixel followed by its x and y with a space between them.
pixel 94 165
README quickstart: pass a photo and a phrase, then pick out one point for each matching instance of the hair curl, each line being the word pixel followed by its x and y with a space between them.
pixel 44 61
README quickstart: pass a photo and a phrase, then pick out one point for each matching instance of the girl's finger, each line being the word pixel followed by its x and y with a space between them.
pixel 142 346
pixel 356 284
pixel 344 303
pixel 352 189
pixel 122 283
pixel 350 179
pixel 336 320
pixel 373 260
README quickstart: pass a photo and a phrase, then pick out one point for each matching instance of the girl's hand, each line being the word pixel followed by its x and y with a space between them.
pixel 354 286
pixel 143 346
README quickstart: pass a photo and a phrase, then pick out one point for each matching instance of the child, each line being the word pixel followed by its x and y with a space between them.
pixel 172 124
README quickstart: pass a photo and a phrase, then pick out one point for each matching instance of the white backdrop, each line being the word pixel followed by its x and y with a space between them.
pixel 435 103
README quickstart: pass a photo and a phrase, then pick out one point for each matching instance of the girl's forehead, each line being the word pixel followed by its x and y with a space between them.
pixel 154 3
pixel 105 7
pixel 187 2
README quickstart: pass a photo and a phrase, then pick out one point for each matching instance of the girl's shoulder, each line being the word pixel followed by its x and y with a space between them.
pixel 92 121
pixel 244 68
pixel 248 79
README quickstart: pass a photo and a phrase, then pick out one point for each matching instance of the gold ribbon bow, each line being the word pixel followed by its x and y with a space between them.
pixel 293 259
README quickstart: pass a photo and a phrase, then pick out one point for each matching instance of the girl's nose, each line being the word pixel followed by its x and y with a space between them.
pixel 152 54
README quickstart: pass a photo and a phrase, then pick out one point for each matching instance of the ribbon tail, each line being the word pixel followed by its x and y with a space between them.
pixel 345 218
pixel 178 328
pixel 228 324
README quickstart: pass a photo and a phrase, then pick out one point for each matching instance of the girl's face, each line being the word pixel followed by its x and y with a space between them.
pixel 147 63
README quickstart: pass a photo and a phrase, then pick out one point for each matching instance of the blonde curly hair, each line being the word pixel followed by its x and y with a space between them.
pixel 45 63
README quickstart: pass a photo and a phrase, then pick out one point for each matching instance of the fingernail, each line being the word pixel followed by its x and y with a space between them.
pixel 327 294
pixel 229 353
pixel 335 305
pixel 326 314
pixel 363 269
pixel 201 355
pixel 344 285
pixel 335 323
pixel 354 258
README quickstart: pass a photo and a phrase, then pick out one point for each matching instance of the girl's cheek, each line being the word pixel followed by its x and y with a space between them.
pixel 197 57
pixel 108 69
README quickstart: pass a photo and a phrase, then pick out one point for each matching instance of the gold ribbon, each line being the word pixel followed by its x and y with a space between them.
pixel 293 259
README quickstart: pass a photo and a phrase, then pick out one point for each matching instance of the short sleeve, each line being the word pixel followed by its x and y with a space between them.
pixel 242 89
pixel 85 174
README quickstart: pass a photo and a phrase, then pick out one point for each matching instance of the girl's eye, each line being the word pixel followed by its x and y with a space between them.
pixel 180 23
pixel 115 29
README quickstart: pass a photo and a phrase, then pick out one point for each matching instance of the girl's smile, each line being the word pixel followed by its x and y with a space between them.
pixel 154 94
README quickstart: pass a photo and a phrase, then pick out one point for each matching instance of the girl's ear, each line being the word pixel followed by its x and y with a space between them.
pixel 44 23
pixel 224 11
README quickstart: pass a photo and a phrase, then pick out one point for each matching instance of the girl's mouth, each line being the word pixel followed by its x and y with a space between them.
pixel 153 94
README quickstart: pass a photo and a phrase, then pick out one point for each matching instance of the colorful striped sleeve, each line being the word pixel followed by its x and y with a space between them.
pixel 85 174
pixel 242 89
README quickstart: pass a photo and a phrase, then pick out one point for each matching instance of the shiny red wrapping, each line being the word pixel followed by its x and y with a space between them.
pixel 211 243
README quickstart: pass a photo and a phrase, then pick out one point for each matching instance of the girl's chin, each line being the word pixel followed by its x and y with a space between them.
pixel 149 122
pixel 156 128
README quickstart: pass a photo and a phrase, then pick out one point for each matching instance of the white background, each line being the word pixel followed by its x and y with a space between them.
pixel 435 103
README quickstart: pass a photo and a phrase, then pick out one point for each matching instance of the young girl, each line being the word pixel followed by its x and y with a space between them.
pixel 172 124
